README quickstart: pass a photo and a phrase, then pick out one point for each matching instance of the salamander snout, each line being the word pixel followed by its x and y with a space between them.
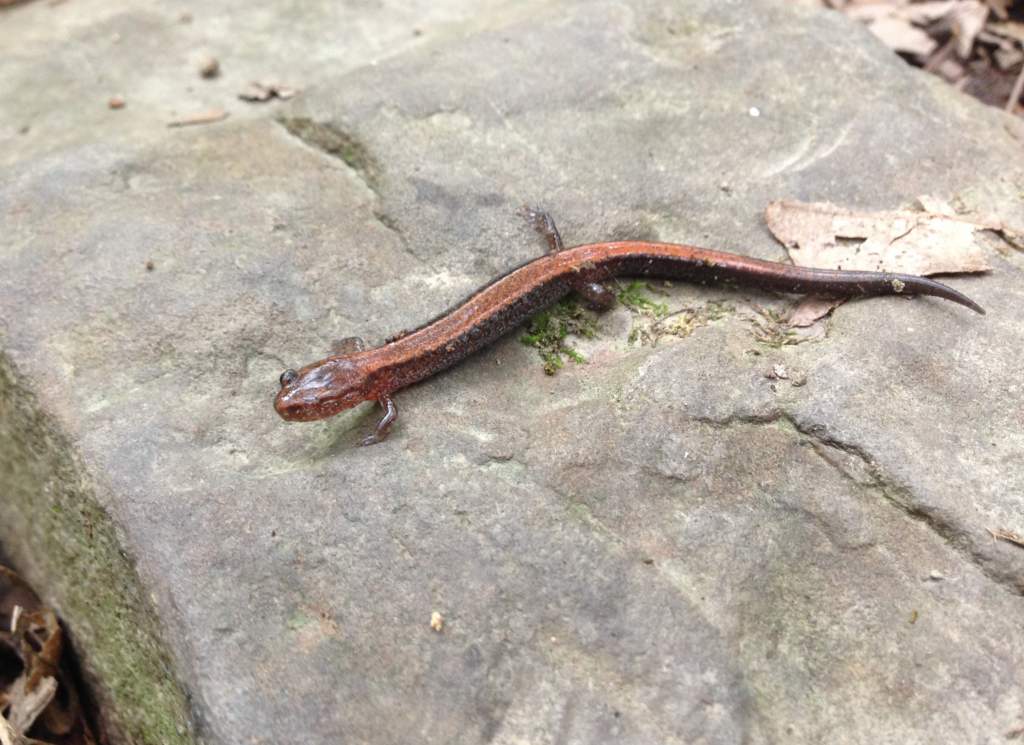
pixel 321 390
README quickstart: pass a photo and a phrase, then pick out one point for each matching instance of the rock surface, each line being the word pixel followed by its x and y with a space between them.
pixel 664 545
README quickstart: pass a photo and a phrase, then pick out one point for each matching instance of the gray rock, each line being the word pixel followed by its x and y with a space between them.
pixel 663 545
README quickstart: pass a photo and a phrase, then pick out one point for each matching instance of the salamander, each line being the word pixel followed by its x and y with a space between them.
pixel 354 374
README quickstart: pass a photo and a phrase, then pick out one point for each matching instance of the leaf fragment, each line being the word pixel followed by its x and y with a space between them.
pixel 37 693
pixel 825 235
pixel 259 91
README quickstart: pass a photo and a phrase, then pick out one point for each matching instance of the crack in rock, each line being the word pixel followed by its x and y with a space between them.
pixel 335 142
pixel 863 470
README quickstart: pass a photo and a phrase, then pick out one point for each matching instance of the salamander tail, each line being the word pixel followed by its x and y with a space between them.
pixel 924 286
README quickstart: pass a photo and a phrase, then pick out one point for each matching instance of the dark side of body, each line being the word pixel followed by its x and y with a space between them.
pixel 355 374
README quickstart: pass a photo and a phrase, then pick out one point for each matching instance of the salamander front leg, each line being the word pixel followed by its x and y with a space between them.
pixel 380 432
pixel 545 225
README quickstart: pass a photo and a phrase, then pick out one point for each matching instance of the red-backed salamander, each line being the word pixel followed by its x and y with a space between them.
pixel 355 374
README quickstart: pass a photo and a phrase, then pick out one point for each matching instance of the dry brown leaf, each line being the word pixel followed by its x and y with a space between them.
pixel 866 12
pixel 1000 7
pixel 7 734
pixel 811 309
pixel 819 234
pixel 901 26
pixel 1008 58
pixel 969 19
pixel 1007 535
pixel 920 14
pixel 928 12
pixel 951 70
pixel 902 36
pixel 27 705
pixel 1015 94
pixel 36 689
pixel 1009 29
pixel 257 92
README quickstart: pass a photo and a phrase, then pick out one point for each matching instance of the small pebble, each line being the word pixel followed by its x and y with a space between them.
pixel 436 621
pixel 209 66
pixel 936 576
pixel 116 102
pixel 754 111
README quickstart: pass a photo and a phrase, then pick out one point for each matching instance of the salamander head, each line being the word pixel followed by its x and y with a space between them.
pixel 322 389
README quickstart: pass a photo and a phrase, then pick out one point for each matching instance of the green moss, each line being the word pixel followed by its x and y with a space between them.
pixel 298 620
pixel 548 330
pixel 336 142
pixel 63 542
pixel 772 329
pixel 654 321
pixel 633 297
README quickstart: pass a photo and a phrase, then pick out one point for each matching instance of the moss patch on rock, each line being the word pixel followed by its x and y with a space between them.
pixel 62 540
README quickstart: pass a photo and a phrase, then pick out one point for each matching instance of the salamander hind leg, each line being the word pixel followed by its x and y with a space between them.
pixel 595 295
pixel 543 223
pixel 380 432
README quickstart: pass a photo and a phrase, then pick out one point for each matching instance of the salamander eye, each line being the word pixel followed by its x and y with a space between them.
pixel 288 377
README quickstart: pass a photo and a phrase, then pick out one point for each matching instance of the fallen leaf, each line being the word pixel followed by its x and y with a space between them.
pixel 819 234
pixel 7 734
pixel 1007 535
pixel 950 69
pixel 36 688
pixel 1000 7
pixel 968 20
pixel 1007 58
pixel 928 12
pixel 1009 29
pixel 203 117
pixel 258 92
pixel 811 309
pixel 27 705
pixel 902 36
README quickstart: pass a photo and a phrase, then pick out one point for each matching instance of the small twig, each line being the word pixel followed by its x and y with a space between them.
pixel 1018 88
pixel 203 117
